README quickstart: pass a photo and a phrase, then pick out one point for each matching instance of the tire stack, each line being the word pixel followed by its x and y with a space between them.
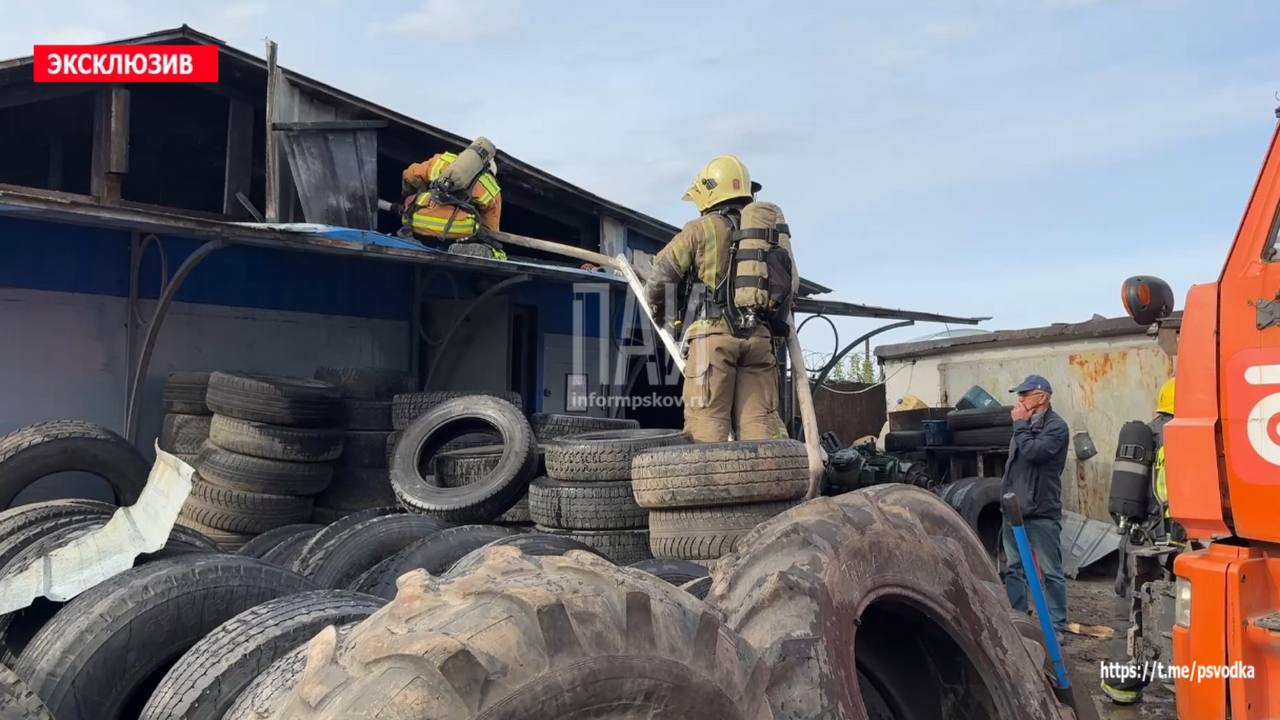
pixel 407 407
pixel 704 497
pixel 186 422
pixel 587 494
pixel 362 479
pixel 553 426
pixel 466 465
pixel 272 443
pixel 981 427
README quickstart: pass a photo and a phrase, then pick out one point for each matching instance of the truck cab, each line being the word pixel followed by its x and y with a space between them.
pixel 1223 468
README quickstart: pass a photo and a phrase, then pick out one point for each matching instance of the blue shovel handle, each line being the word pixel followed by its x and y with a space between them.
pixel 1013 516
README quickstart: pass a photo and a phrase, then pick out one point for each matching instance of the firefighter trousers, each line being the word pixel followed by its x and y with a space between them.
pixel 731 383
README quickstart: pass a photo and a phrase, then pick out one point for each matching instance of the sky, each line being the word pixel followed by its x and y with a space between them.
pixel 1011 158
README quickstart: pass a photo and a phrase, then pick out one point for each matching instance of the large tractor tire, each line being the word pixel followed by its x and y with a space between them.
pixel 878 604
pixel 525 637
pixel 17 700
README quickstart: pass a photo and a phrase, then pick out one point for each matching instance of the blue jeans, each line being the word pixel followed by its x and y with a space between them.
pixel 1045 537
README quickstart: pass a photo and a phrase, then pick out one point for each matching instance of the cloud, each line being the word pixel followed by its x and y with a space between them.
pixel 456 21
pixel 72 35
pixel 241 11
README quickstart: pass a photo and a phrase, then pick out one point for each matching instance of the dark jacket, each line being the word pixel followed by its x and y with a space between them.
pixel 1037 455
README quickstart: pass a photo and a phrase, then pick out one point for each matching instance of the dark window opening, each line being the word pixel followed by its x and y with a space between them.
pixel 48 144
pixel 177 148
pixel 524 360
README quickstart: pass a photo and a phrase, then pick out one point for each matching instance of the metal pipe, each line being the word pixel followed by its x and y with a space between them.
pixel 444 343
pixel 153 330
pixel 822 377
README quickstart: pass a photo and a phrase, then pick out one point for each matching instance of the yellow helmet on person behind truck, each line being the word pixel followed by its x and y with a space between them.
pixel 1164 400
pixel 724 178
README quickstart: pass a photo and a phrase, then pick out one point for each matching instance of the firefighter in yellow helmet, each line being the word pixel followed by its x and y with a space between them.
pixel 1164 413
pixel 449 198
pixel 731 372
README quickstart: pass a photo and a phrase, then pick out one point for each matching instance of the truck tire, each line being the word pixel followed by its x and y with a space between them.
pixel 265 694
pixel 296 402
pixel 368 383
pixel 286 553
pixel 517 514
pixel 534 544
pixel 975 418
pixel 904 440
pixel 149 615
pixel 977 500
pixel 604 455
pixel 456 467
pixel 366 414
pixel 18 701
pixel 267 541
pixel 698 587
pixel 183 434
pixel 47 448
pixel 355 489
pixel 17 542
pixel 585 506
pixel 707 533
pixel 551 426
pixel 228 542
pixel 276 442
pixel 243 512
pixel 235 471
pixel 621 547
pixel 435 554
pixel 879 598
pixel 728 473
pixel 24 517
pixel 588 636
pixel 184 392
pixel 675 572
pixel 365 449
pixel 366 544
pixel 481 501
pixel 208 678
pixel 407 407
pixel 997 437
pixel 322 542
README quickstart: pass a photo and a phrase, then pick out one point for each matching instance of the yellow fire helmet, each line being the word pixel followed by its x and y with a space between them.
pixel 724 178
pixel 1164 401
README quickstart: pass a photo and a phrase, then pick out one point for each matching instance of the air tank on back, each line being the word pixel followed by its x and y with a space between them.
pixel 1131 473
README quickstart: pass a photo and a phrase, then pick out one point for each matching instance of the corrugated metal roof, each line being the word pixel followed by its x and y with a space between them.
pixel 1097 327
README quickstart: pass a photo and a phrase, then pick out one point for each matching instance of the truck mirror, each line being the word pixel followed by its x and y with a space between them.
pixel 1146 299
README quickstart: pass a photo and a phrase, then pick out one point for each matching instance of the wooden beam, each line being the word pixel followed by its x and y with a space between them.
pixel 239 159
pixel 110 160
pixel 28 94
pixel 272 209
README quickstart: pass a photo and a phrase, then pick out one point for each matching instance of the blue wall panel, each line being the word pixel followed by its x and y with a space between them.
pixel 69 258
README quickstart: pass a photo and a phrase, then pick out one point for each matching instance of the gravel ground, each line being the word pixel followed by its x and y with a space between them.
pixel 1091 601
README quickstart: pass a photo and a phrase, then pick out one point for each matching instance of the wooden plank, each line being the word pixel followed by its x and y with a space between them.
pixel 272 209
pixel 110 157
pixel 239 160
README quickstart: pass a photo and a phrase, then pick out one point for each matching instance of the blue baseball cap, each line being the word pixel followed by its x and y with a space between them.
pixel 1033 382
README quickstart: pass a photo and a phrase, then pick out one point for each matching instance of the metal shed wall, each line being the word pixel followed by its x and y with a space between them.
pixel 1098 386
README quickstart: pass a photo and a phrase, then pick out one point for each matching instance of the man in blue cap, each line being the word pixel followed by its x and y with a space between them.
pixel 1037 455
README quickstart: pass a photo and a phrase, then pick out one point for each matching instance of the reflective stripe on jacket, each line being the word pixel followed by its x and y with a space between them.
pixel 430 216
